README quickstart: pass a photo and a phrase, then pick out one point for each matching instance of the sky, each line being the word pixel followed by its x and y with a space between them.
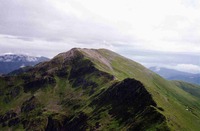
pixel 164 33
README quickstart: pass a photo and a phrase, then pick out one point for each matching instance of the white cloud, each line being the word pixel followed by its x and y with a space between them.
pixel 37 47
pixel 188 67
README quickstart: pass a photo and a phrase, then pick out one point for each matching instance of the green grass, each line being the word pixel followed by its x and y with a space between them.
pixel 188 87
pixel 179 101
pixel 167 95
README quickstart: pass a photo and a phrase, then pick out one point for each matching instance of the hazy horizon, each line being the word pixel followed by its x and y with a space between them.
pixel 153 33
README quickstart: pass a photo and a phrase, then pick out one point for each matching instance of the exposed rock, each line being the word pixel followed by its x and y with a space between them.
pixel 7 116
pixel 30 104
pixel 78 123
pixel 56 122
pixel 130 104
pixel 13 122
pixel 35 84
pixel 36 124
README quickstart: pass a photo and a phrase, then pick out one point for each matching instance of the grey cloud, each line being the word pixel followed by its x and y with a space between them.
pixel 30 19
pixel 41 29
pixel 154 58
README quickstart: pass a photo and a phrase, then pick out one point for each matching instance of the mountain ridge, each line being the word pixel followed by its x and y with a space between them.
pixel 19 57
pixel 78 90
pixel 11 62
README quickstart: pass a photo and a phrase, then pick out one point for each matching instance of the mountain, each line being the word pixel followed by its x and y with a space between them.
pixel 188 87
pixel 11 62
pixel 171 74
pixel 90 89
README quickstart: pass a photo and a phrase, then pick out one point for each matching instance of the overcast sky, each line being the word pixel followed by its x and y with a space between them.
pixel 152 32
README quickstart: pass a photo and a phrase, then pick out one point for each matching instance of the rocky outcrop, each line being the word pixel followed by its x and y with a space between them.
pixel 38 83
pixel 131 104
pixel 10 118
pixel 30 104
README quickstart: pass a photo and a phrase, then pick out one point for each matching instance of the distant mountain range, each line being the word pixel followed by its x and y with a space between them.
pixel 171 74
pixel 11 62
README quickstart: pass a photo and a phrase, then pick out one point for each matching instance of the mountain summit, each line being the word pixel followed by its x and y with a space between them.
pixel 90 89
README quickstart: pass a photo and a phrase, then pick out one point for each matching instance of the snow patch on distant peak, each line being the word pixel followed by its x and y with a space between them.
pixel 22 66
pixel 17 57
pixel 31 58
pixel 9 53
pixel 157 68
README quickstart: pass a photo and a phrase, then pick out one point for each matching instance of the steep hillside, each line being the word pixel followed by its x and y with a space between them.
pixel 188 87
pixel 167 95
pixel 87 89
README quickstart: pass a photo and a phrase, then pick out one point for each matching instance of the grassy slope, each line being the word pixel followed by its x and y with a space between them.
pixel 67 96
pixel 181 109
pixel 57 98
pixel 188 87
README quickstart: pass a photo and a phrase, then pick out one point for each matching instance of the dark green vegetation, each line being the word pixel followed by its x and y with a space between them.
pixel 188 87
pixel 86 89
